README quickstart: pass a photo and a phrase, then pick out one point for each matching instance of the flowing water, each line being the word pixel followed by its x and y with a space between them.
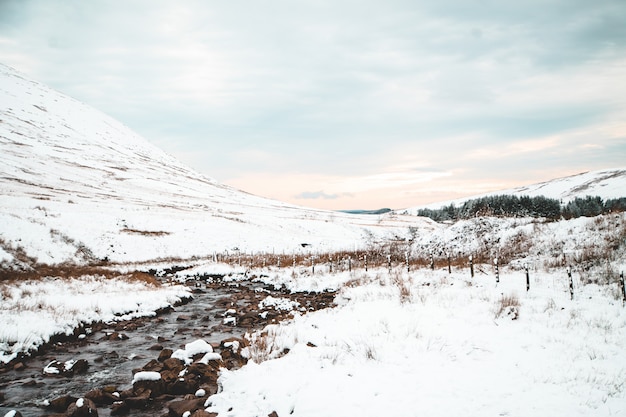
pixel 111 362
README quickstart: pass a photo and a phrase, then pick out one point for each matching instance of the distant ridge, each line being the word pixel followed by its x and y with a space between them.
pixel 606 183
pixel 369 212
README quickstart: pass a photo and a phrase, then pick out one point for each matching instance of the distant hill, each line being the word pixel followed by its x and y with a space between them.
pixel 370 212
pixel 607 184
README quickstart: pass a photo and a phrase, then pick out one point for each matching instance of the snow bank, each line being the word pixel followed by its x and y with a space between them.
pixel 33 311
pixel 441 350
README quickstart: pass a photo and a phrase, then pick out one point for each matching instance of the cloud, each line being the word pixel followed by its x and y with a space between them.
pixel 308 195
pixel 349 96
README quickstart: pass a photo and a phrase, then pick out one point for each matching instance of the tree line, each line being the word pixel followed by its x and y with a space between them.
pixel 525 206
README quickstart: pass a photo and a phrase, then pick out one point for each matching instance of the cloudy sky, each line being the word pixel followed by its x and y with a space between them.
pixel 345 104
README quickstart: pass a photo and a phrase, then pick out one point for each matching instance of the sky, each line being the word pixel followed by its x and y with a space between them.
pixel 343 104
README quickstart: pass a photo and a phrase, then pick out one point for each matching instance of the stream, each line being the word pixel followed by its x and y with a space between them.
pixel 112 357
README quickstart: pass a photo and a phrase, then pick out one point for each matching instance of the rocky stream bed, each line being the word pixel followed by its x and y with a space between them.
pixel 167 365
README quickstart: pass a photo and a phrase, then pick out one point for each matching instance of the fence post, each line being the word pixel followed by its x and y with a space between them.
pixel 312 266
pixel 331 264
pixel 571 282
pixel 406 258
pixel 471 262
pixel 432 261
pixel 350 263
pixel 449 264
pixel 278 262
pixel 527 278
pixel 621 278
pixel 365 259
pixel 389 262
pixel 495 261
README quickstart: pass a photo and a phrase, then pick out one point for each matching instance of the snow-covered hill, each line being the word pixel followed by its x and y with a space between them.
pixel 76 185
pixel 607 183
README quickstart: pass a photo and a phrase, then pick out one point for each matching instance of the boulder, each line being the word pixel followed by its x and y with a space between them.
pixel 180 407
pixel 153 365
pixel 119 408
pixel 61 403
pixel 203 413
pixel 101 397
pixel 165 354
pixel 83 407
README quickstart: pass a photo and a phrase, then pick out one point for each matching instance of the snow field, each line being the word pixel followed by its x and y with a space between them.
pixel 33 311
pixel 440 350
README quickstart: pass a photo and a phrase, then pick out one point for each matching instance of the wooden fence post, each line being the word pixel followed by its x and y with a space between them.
pixel 621 278
pixel 406 258
pixel 495 261
pixel 571 283
pixel 471 262
pixel 527 278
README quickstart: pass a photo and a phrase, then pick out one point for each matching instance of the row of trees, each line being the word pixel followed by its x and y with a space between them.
pixel 525 206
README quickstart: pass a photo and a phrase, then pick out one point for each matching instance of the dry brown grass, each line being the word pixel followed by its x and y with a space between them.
pixel 507 305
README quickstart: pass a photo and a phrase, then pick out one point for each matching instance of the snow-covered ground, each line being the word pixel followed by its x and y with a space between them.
pixel 33 311
pixel 429 343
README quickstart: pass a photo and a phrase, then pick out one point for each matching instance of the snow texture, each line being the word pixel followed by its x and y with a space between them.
pixel 146 376
pixel 443 351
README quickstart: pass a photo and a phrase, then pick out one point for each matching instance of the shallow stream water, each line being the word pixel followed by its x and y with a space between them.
pixel 111 362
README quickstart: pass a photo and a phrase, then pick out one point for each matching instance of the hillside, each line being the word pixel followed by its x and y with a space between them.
pixel 78 186
pixel 607 184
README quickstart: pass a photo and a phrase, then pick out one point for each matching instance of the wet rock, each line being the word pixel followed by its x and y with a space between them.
pixel 119 408
pixel 62 403
pixel 153 365
pixel 180 407
pixel 156 388
pixel 139 401
pixel 156 347
pixel 83 407
pixel 165 354
pixel 188 384
pixel 80 366
pixel 117 336
pixel 273 414
pixel 101 397
pixel 183 317
pixel 173 364
pixel 203 413
pixel 19 366
pixel 68 368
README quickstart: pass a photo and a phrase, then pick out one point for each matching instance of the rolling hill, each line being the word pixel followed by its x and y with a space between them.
pixel 78 186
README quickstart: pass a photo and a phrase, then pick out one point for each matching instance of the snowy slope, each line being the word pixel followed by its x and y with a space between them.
pixel 76 185
pixel 607 183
